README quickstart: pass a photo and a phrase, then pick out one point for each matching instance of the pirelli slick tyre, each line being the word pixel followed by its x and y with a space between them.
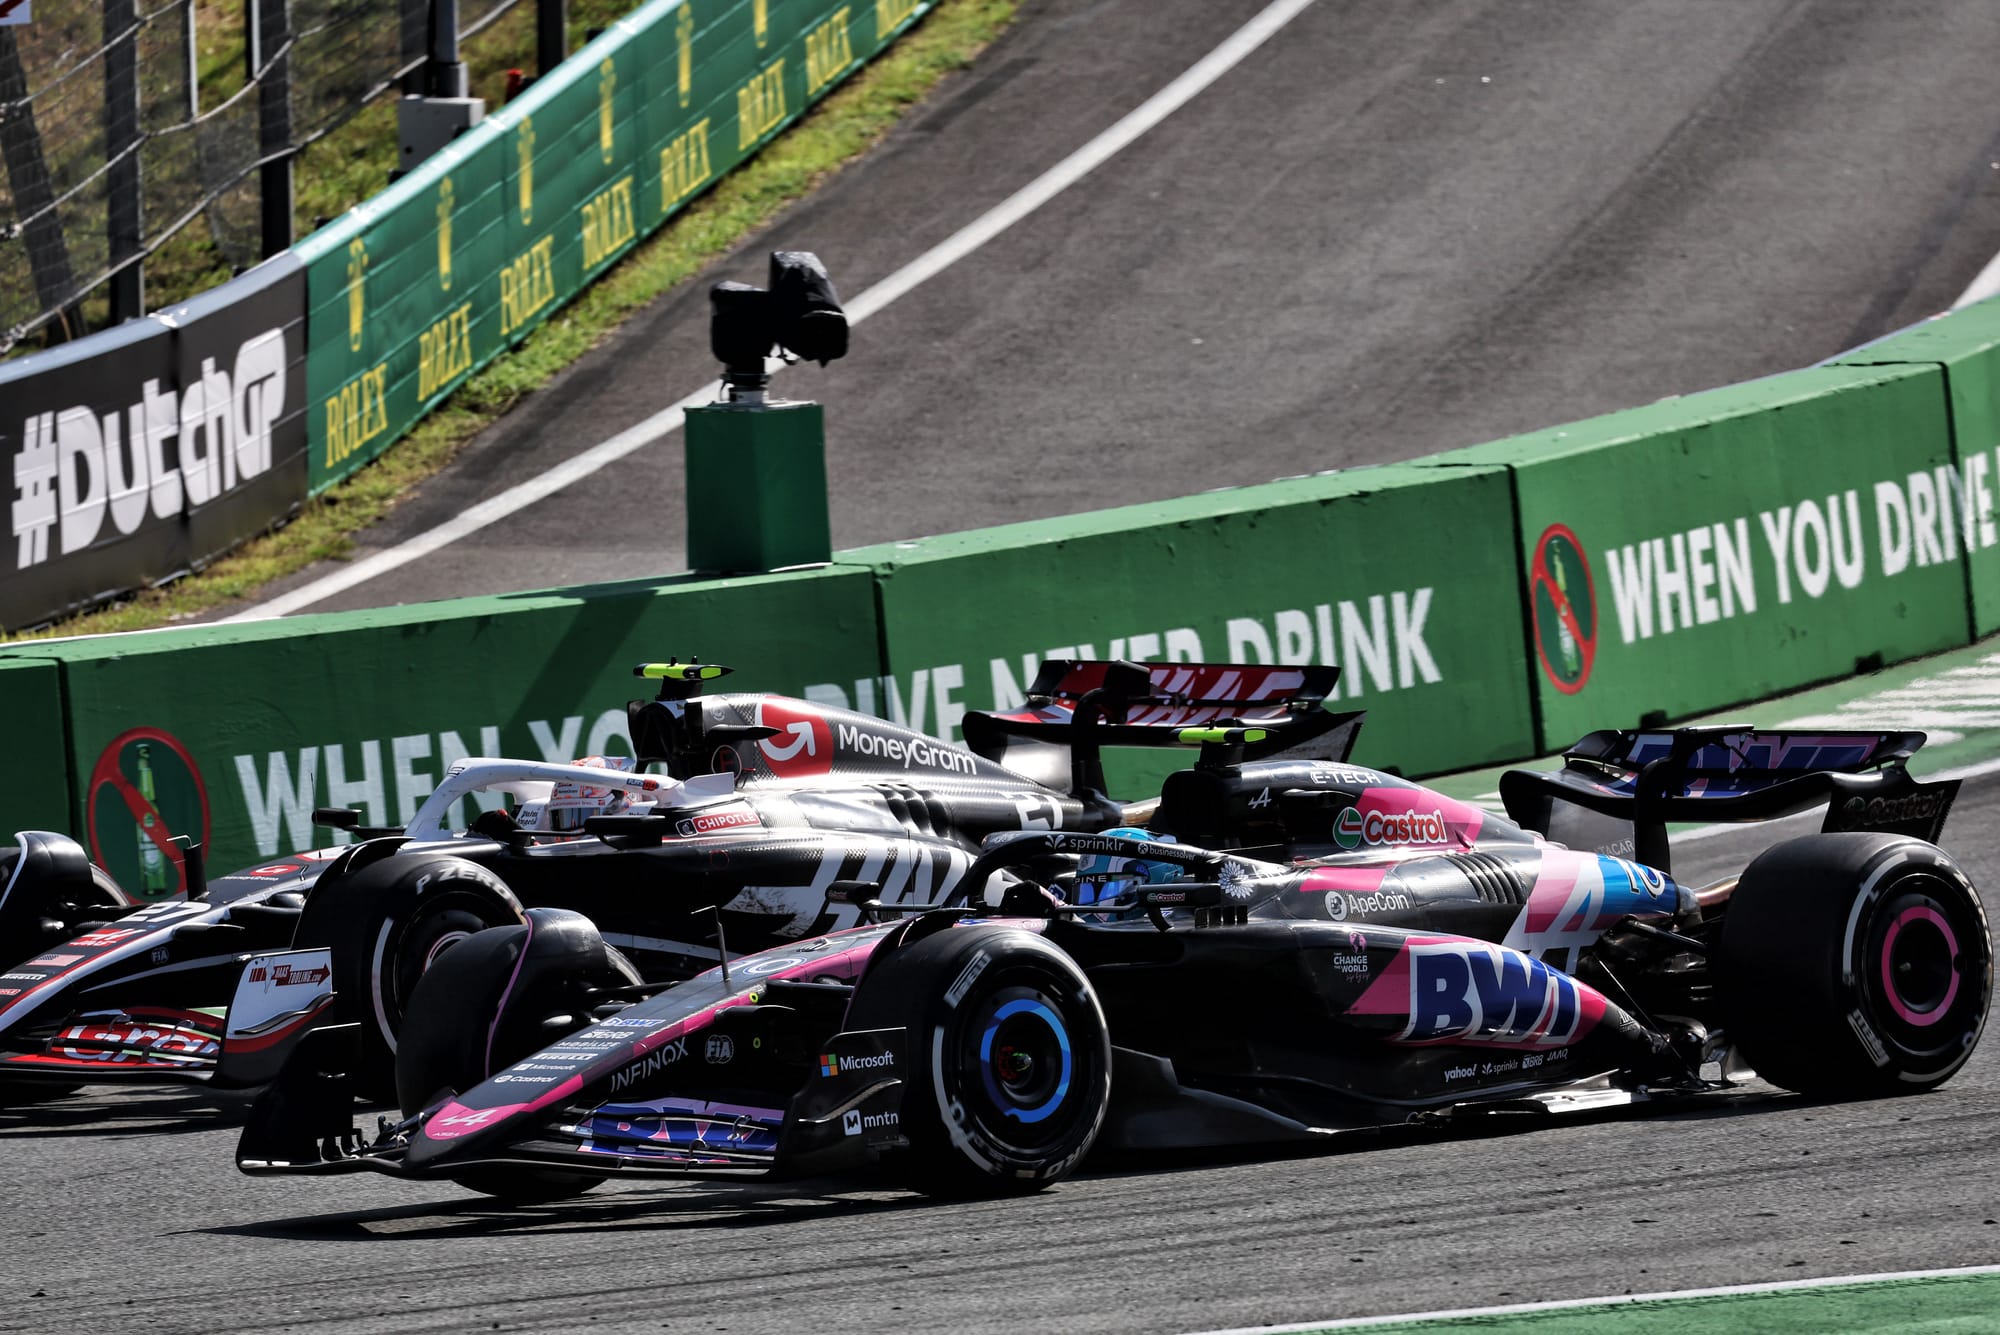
pixel 1854 965
pixel 498 997
pixel 389 921
pixel 1008 1061
pixel 59 894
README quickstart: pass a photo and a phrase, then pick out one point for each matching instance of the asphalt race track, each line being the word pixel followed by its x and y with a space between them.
pixel 126 1214
pixel 1380 255
pixel 1398 226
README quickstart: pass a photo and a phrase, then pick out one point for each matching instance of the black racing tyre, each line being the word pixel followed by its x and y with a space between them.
pixel 38 914
pixel 1008 1060
pixel 387 923
pixel 1854 965
pixel 494 999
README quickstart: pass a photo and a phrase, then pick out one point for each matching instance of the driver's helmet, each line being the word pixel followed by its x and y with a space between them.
pixel 1102 876
pixel 571 802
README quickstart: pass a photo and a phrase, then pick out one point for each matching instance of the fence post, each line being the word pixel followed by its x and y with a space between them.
pixel 445 75
pixel 415 44
pixel 268 23
pixel 551 34
pixel 124 207
pixel 34 200
pixel 191 55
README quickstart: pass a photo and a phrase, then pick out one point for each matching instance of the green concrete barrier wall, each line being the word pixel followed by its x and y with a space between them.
pixel 35 777
pixel 1485 605
pixel 1965 346
pixel 1403 576
pixel 413 291
pixel 1727 546
pixel 247 728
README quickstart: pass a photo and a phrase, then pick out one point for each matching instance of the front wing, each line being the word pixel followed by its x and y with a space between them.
pixel 279 997
pixel 303 1124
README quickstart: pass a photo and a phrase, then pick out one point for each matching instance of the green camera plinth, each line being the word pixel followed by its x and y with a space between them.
pixel 756 487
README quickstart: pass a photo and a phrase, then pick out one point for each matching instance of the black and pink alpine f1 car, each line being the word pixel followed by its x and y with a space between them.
pixel 1132 989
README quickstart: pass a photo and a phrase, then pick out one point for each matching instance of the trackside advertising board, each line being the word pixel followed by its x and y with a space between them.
pixel 149 449
pixel 1966 346
pixel 1734 544
pixel 241 731
pixel 34 779
pixel 1404 577
pixel 416 289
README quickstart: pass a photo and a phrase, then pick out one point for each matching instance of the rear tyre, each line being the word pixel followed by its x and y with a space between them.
pixel 1007 1063
pixel 387 923
pixel 496 998
pixel 1854 965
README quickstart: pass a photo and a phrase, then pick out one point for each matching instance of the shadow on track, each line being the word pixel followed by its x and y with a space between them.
pixel 757 1203
pixel 106 1110
pixel 678 1205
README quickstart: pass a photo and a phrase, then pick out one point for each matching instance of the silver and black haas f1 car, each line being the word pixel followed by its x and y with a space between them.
pixel 765 809
pixel 1156 996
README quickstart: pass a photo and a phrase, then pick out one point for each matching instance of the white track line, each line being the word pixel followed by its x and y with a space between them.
pixel 1622 1300
pixel 1984 286
pixel 932 262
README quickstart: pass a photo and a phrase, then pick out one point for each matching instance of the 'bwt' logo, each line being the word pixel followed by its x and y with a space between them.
pixel 1564 598
pixel 1470 990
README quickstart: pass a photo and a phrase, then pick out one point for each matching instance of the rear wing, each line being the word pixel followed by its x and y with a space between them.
pixel 1617 791
pixel 1234 712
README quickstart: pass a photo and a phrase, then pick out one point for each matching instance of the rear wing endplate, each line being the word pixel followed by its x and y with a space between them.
pixel 1233 711
pixel 1617 791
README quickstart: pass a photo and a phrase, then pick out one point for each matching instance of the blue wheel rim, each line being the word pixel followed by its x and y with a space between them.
pixel 1004 1101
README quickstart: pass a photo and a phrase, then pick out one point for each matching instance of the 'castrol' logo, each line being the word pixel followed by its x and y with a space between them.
pixel 1355 827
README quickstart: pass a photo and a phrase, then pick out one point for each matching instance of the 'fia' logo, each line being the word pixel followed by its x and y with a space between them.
pixel 444 203
pixel 357 269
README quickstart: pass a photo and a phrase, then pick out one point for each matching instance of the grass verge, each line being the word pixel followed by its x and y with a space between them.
pixel 842 127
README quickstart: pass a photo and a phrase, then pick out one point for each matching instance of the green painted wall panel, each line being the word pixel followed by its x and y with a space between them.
pixel 1966 345
pixel 1731 545
pixel 35 777
pixel 571 179
pixel 414 290
pixel 366 708
pixel 403 300
pixel 1351 568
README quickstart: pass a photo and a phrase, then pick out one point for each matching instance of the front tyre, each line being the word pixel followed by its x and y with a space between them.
pixel 1854 965
pixel 496 999
pixel 59 893
pixel 1008 1060
pixel 388 923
